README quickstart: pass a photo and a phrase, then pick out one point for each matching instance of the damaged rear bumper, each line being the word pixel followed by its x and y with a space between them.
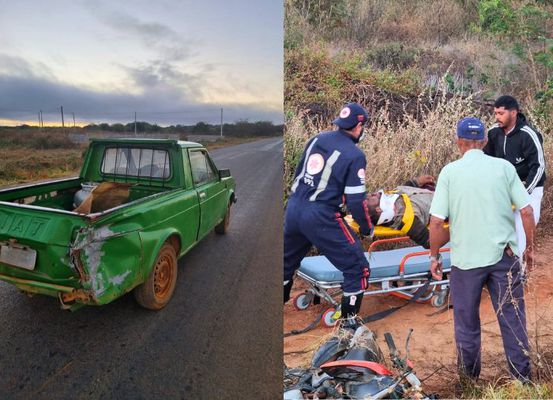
pixel 27 285
pixel 69 297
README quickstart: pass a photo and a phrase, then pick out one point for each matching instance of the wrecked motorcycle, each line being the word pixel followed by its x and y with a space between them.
pixel 350 365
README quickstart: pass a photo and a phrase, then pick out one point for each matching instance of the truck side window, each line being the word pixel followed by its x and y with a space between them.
pixel 201 168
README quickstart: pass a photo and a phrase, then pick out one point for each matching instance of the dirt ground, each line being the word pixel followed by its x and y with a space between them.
pixel 432 344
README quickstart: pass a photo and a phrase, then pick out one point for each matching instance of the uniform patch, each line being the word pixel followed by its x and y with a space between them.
pixel 345 112
pixel 361 173
pixel 315 164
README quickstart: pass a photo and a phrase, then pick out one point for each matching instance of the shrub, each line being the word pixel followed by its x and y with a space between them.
pixel 393 55
pixel 315 78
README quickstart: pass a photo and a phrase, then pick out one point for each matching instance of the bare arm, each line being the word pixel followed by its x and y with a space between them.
pixel 527 216
pixel 438 237
pixel 421 181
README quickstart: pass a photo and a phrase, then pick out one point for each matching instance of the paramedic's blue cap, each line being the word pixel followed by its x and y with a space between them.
pixel 351 115
pixel 471 128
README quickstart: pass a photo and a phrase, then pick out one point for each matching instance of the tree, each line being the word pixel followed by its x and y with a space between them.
pixel 201 127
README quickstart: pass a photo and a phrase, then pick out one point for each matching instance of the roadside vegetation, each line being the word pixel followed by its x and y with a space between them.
pixel 419 66
pixel 29 154
pixel 241 128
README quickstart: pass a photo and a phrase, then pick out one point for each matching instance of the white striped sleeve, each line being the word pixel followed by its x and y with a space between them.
pixel 302 173
pixel 541 159
pixel 354 189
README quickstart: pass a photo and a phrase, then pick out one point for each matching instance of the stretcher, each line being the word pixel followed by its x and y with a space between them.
pixel 399 272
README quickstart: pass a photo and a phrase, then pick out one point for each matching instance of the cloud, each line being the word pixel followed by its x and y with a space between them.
pixel 23 96
pixel 162 90
pixel 154 36
pixel 159 75
pixel 17 66
pixel 164 72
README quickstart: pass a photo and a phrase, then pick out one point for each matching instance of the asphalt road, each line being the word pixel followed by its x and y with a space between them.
pixel 219 337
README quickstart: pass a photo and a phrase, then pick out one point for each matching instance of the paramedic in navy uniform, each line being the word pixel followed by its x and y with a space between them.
pixel 331 172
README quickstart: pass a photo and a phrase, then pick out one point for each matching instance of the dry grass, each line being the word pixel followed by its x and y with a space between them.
pixel 427 36
pixel 29 155
pixel 18 165
pixel 408 21
pixel 512 390
pixel 374 20
pixel 411 146
pixel 321 76
pixel 499 386
pixel 396 151
pixel 34 139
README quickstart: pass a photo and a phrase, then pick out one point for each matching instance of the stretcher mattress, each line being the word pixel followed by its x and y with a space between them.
pixel 384 264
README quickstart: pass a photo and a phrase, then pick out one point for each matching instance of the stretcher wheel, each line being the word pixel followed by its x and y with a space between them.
pixel 328 319
pixel 438 300
pixel 302 301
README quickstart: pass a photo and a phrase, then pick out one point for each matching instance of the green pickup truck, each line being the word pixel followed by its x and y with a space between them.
pixel 137 206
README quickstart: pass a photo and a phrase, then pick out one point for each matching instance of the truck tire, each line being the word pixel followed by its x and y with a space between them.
pixel 222 228
pixel 156 291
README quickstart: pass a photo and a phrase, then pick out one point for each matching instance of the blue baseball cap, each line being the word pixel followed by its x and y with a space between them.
pixel 351 115
pixel 471 128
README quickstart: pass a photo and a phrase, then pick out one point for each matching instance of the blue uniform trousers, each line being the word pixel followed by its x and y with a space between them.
pixel 504 284
pixel 308 224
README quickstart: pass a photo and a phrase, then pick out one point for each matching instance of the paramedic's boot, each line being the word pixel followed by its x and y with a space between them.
pixel 287 289
pixel 349 309
pixel 349 324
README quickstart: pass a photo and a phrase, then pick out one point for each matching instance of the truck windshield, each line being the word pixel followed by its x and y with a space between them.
pixel 136 162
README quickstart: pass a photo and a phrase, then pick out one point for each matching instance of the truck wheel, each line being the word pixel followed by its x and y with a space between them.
pixel 222 228
pixel 156 291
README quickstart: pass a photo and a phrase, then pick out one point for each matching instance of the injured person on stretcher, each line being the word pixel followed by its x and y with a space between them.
pixel 404 209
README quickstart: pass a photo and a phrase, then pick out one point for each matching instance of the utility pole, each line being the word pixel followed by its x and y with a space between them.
pixel 41 120
pixel 73 119
pixel 135 123
pixel 221 122
pixel 62 121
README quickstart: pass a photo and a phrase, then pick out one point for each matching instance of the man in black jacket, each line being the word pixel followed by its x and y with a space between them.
pixel 513 139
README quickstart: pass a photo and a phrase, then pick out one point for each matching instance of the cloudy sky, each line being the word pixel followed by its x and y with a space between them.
pixel 170 61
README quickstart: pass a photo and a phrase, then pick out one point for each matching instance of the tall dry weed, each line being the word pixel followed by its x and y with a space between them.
pixel 416 144
pixel 399 151
pixel 33 139
pixel 395 150
pixel 406 21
